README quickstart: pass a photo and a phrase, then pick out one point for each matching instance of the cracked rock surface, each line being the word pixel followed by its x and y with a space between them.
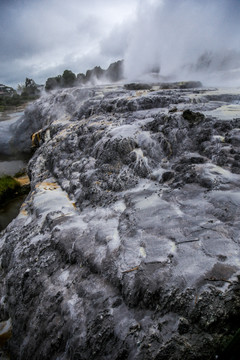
pixel 127 246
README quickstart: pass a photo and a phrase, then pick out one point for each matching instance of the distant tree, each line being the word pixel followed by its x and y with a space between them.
pixel 115 71
pixel 95 73
pixel 10 98
pixel 81 79
pixel 30 88
pixel 68 78
pixel 20 88
pixel 29 83
pixel 14 100
pixel 53 82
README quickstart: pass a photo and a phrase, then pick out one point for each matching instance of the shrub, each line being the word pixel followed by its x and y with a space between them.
pixel 53 82
pixel 68 78
pixel 8 187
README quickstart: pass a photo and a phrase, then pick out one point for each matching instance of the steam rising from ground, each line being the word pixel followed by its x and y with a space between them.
pixel 186 39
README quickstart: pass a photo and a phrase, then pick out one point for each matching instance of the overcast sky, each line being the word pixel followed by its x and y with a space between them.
pixel 42 38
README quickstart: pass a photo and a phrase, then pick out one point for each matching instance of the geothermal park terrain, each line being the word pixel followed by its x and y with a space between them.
pixel 128 244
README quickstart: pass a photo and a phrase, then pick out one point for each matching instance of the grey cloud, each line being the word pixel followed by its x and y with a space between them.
pixel 42 38
pixel 50 35
pixel 115 44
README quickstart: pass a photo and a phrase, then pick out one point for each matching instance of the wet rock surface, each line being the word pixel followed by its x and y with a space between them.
pixel 127 246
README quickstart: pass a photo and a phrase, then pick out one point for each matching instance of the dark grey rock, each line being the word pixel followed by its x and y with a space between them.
pixel 127 246
pixel 192 117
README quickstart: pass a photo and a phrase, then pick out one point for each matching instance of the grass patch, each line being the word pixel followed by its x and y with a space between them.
pixel 8 187
pixel 21 172
pixel 11 102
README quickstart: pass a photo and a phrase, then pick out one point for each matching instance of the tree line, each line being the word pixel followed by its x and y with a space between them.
pixel 11 98
pixel 31 91
pixel 68 79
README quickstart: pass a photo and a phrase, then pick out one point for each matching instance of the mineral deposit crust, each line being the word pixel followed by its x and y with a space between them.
pixel 127 246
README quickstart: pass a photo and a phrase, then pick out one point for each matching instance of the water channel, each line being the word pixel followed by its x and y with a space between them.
pixel 10 164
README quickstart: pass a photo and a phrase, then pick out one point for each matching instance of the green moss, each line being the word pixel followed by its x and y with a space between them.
pixel 20 173
pixel 8 187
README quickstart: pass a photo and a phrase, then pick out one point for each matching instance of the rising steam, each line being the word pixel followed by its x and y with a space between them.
pixel 186 39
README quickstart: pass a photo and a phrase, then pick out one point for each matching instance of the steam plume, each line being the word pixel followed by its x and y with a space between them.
pixel 185 39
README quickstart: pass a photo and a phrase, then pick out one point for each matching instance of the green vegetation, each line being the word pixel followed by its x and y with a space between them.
pixel 21 172
pixel 53 82
pixel 67 79
pixel 8 187
pixel 11 99
pixel 9 102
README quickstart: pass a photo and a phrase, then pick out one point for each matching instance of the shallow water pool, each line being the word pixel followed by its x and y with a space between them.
pixel 9 211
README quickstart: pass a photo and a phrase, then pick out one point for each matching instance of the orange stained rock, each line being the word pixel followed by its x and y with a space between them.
pixel 35 136
pixel 142 92
pixel 23 180
pixel 47 185
pixel 24 212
